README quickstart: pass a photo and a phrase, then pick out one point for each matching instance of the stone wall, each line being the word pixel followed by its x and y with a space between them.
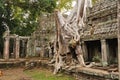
pixel 101 21
pixel 44 34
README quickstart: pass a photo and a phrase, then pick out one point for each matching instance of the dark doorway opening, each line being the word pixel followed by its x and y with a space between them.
pixel 94 50
pixel 113 51
pixel 23 48
pixel 2 30
pixel 12 48
pixel 1 48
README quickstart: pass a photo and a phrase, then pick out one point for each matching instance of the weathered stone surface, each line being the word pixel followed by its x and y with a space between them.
pixel 102 21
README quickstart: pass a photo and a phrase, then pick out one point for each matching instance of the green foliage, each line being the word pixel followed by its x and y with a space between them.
pixel 64 4
pixel 96 58
pixel 22 15
pixel 94 1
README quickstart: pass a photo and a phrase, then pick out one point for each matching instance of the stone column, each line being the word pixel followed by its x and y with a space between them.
pixel 104 51
pixel 17 48
pixel 118 12
pixel 34 47
pixel 6 48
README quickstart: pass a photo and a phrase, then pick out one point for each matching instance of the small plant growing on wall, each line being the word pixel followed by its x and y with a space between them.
pixel 96 58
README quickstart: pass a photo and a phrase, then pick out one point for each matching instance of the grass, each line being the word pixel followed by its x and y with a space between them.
pixel 43 74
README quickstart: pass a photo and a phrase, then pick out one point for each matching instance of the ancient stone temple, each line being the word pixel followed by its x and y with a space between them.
pixel 15 47
pixel 42 36
pixel 99 37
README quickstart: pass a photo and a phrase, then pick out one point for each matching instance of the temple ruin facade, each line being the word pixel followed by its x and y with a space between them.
pixel 95 35
pixel 15 47
pixel 100 36
pixel 99 41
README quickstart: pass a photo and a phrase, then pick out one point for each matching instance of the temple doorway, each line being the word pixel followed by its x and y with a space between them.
pixel 93 50
pixel 113 51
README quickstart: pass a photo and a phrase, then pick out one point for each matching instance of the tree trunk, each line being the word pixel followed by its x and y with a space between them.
pixel 80 55
pixel 66 30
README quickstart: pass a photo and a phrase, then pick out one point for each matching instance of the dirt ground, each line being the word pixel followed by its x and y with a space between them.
pixel 14 74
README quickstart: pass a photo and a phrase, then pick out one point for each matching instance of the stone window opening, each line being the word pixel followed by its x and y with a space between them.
pixel 93 51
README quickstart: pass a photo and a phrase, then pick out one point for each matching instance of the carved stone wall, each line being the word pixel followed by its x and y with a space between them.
pixel 101 20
